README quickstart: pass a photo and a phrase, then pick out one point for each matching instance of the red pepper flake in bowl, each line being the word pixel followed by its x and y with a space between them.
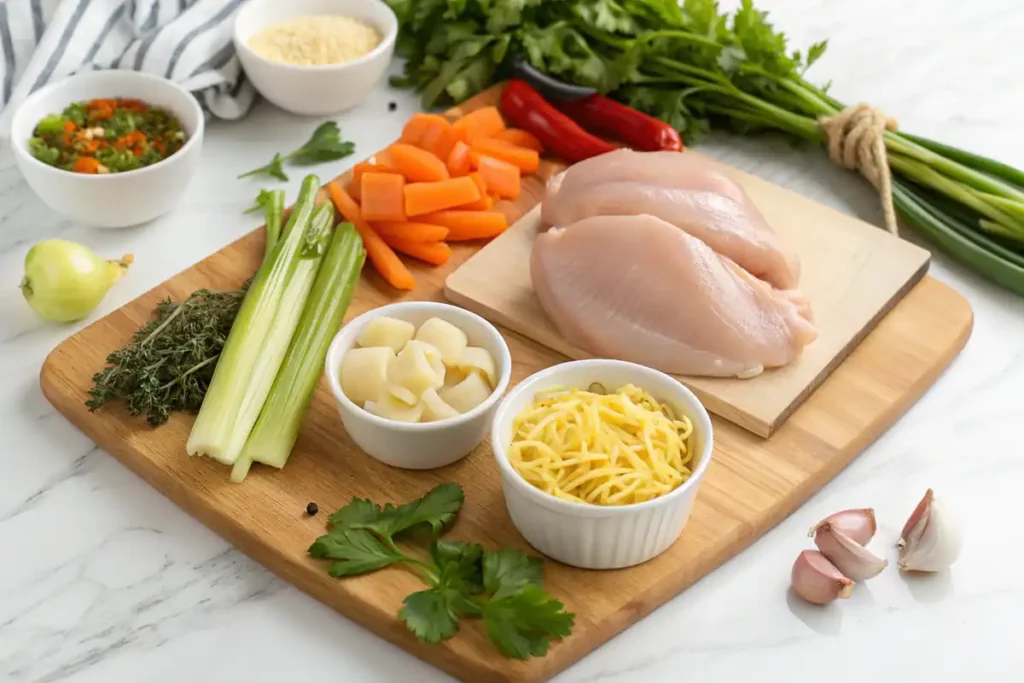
pixel 106 136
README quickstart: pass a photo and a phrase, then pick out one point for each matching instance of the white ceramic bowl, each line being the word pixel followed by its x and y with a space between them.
pixel 315 90
pixel 115 200
pixel 420 446
pixel 594 536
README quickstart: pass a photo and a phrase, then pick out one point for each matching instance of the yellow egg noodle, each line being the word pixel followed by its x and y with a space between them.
pixel 615 448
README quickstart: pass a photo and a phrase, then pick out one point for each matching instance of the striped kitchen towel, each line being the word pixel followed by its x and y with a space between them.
pixel 188 41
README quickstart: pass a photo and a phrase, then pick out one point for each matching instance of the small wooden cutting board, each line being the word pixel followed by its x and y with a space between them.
pixel 852 272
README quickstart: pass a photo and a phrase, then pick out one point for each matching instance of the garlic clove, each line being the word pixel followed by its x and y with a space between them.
pixel 849 557
pixel 817 580
pixel 931 540
pixel 915 516
pixel 858 524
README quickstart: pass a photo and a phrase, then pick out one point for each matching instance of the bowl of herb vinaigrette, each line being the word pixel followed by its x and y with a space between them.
pixel 109 148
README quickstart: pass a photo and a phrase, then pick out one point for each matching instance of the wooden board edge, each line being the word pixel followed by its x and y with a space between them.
pixel 854 342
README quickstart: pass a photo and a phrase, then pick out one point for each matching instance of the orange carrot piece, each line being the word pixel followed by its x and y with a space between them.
pixel 520 138
pixel 383 197
pixel 411 231
pixel 482 123
pixel 438 138
pixel 501 177
pixel 423 198
pixel 86 165
pixel 468 225
pixel 434 253
pixel 417 125
pixel 485 203
pixel 526 160
pixel 383 257
pixel 383 158
pixel 355 189
pixel 69 126
pixel 418 165
pixel 459 161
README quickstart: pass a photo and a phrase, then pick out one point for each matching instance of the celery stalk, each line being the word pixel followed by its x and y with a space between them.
pixel 260 335
pixel 277 428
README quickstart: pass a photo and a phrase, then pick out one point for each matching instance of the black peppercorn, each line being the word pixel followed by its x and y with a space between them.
pixel 312 509
pixel 392 106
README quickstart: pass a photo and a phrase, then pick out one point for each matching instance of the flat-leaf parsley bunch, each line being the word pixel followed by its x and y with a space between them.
pixel 502 587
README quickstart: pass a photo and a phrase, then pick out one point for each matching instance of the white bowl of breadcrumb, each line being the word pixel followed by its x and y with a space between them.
pixel 315 57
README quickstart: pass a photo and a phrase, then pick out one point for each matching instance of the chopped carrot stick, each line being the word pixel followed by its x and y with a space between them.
pixel 69 126
pixel 411 231
pixel 417 125
pixel 423 198
pixel 526 160
pixel 468 225
pixel 129 139
pixel 482 123
pixel 383 258
pixel 383 158
pixel 459 161
pixel 438 138
pixel 520 138
pixel 383 197
pixel 418 165
pixel 355 188
pixel 501 177
pixel 434 253
pixel 485 203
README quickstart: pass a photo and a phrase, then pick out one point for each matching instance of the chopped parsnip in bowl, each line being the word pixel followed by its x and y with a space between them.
pixel 417 383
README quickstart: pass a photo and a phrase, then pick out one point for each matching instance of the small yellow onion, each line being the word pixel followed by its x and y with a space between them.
pixel 65 281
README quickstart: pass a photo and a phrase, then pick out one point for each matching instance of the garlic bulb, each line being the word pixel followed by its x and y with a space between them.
pixel 859 525
pixel 849 557
pixel 931 539
pixel 817 580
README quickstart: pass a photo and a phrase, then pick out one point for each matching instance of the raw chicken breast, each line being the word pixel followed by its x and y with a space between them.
pixel 683 190
pixel 640 289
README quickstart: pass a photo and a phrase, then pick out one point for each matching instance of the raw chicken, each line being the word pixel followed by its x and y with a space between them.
pixel 639 289
pixel 682 189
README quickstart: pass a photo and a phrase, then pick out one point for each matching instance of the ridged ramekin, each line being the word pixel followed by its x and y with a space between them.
pixel 594 536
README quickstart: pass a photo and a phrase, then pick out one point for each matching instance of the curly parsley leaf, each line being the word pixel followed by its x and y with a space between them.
pixel 523 625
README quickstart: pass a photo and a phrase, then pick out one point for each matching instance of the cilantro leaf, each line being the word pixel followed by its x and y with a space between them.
pixel 508 571
pixel 358 510
pixel 430 615
pixel 523 625
pixel 356 551
pixel 324 145
pixel 437 508
pixel 434 614
pixel 272 169
pixel 460 562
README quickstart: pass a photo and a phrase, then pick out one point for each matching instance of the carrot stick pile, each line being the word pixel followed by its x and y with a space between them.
pixel 437 184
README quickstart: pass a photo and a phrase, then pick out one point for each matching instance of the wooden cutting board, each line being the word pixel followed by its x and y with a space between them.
pixel 750 486
pixel 853 273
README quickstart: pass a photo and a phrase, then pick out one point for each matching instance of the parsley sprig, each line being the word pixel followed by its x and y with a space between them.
pixel 502 587
pixel 325 145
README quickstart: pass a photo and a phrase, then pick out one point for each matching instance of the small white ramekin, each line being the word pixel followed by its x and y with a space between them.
pixel 594 536
pixel 419 446
pixel 315 90
pixel 112 200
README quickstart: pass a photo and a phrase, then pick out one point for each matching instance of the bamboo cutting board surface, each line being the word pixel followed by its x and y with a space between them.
pixel 750 486
pixel 853 273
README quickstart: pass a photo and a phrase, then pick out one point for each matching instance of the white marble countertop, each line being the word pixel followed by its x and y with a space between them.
pixel 103 579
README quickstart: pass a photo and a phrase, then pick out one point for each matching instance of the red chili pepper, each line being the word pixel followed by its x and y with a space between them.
pixel 605 116
pixel 527 109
